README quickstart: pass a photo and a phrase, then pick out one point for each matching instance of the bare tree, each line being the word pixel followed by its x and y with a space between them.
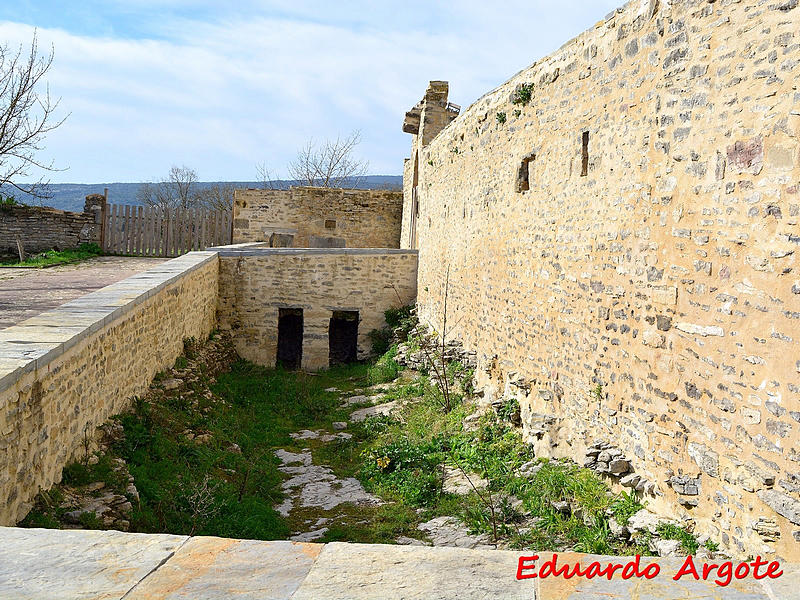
pixel 216 197
pixel 331 164
pixel 177 190
pixel 265 178
pixel 26 115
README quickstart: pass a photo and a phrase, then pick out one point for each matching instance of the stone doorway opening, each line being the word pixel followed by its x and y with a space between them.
pixel 290 338
pixel 343 337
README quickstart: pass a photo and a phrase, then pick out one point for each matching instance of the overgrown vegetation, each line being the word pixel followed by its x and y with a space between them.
pixel 501 117
pixel 203 460
pixel 56 257
pixel 399 324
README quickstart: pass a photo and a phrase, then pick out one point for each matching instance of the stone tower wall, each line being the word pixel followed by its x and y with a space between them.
pixel 644 290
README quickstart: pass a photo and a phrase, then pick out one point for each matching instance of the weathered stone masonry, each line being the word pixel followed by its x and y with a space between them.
pixel 41 229
pixel 68 370
pixel 312 217
pixel 256 284
pixel 654 302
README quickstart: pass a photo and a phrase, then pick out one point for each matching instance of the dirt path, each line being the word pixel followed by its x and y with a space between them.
pixel 24 293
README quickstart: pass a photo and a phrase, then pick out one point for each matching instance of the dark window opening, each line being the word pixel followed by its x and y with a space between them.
pixel 523 175
pixel 585 154
pixel 330 224
pixel 290 338
pixel 343 337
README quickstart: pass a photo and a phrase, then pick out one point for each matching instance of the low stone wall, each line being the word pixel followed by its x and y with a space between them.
pixel 256 283
pixel 41 228
pixel 68 370
pixel 309 217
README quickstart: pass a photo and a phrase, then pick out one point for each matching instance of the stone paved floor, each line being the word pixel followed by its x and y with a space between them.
pixel 109 565
pixel 25 293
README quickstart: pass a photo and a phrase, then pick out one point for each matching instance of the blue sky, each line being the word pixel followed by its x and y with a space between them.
pixel 224 86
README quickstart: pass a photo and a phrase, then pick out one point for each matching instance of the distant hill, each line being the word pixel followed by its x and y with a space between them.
pixel 71 196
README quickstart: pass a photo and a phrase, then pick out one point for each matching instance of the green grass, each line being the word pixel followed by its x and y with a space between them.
pixel 56 257
pixel 227 484
pixel 209 488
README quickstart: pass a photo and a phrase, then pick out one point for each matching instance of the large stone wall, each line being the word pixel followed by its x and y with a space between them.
pixel 41 228
pixel 318 217
pixel 68 370
pixel 654 302
pixel 255 284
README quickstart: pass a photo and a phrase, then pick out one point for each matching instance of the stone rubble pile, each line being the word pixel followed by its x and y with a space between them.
pixel 411 356
pixel 607 459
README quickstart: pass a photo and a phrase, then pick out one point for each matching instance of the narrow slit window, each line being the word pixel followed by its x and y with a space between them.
pixel 330 224
pixel 523 175
pixel 585 154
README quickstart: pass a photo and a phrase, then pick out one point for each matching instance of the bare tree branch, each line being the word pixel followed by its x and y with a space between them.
pixel 177 190
pixel 26 115
pixel 265 178
pixel 331 164
pixel 216 197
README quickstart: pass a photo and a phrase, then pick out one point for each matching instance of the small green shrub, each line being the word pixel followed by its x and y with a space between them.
pixel 501 117
pixel 510 411
pixel 380 339
pixel 385 368
pixel 625 506
pixel 523 94
pixel 8 202
pixel 668 531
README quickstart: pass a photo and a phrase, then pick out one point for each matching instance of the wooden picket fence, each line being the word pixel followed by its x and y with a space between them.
pixel 151 231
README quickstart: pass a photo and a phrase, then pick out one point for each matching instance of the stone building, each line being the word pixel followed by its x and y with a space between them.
pixel 315 217
pixel 619 222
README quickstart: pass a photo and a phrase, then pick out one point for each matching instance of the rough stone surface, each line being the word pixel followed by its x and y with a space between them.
pixel 652 250
pixel 43 228
pixel 373 411
pixel 456 482
pixel 309 217
pixel 70 369
pixel 256 284
pixel 316 485
pixel 449 531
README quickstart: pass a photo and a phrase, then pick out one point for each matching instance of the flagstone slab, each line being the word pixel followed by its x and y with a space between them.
pixel 368 571
pixel 220 569
pixel 78 565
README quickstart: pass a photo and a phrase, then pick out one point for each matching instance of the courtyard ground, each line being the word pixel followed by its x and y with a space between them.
pixel 26 292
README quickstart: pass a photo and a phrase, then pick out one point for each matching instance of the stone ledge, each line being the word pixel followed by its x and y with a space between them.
pixel 225 251
pixel 35 342
pixel 110 565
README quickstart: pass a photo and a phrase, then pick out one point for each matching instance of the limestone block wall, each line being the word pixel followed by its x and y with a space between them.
pixel 255 284
pixel 68 370
pixel 41 228
pixel 355 218
pixel 623 252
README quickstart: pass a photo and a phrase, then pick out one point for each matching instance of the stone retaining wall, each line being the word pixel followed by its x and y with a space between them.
pixel 255 284
pixel 68 370
pixel 309 217
pixel 41 228
pixel 622 254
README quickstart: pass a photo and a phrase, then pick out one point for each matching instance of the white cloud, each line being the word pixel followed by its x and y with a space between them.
pixel 222 96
